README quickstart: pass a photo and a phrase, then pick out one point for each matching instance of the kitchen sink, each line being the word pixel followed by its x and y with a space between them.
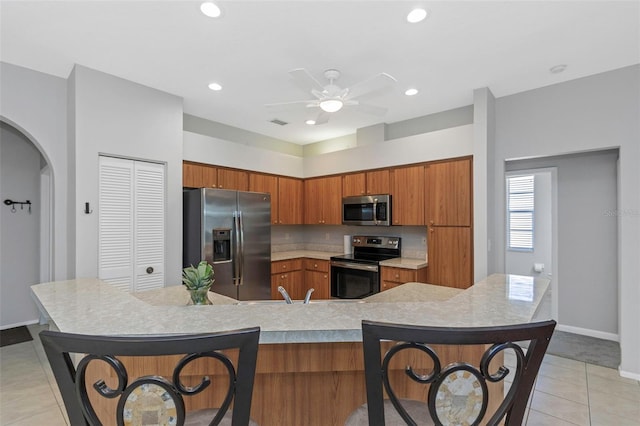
pixel 298 302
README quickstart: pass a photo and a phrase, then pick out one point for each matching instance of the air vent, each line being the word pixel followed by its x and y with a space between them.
pixel 279 122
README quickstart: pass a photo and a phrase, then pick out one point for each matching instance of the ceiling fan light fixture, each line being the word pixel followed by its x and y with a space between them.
pixel 331 105
pixel 416 15
pixel 210 9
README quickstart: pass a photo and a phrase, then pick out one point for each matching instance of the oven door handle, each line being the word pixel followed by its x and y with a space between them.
pixel 359 266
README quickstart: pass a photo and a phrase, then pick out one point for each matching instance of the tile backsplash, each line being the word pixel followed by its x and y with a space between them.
pixel 330 238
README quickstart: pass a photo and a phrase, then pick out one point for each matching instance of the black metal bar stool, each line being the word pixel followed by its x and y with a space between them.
pixel 154 399
pixel 458 393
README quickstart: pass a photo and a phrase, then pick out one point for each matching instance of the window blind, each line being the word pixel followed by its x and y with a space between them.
pixel 520 209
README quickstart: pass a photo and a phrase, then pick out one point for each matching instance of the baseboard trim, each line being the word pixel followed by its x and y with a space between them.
pixel 18 324
pixel 588 332
pixel 628 375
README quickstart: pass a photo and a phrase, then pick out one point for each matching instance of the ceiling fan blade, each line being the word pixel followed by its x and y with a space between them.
pixel 282 105
pixel 323 117
pixel 368 108
pixel 373 84
pixel 304 80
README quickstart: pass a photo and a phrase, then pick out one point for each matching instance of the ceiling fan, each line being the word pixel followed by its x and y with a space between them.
pixel 331 98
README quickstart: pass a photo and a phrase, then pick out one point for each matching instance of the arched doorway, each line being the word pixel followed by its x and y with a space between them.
pixel 25 225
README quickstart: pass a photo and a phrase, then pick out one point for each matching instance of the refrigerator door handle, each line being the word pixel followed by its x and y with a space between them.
pixel 241 250
pixel 236 249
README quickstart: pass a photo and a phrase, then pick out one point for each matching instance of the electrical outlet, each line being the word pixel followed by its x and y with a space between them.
pixel 327 236
pixel 286 236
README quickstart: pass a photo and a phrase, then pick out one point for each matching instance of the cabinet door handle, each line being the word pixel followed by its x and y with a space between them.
pixel 284 266
pixel 397 275
pixel 315 265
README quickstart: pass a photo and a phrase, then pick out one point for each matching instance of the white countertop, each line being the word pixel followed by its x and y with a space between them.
pixel 91 306
pixel 400 262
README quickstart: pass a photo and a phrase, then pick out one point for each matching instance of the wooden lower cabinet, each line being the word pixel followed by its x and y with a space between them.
pixel 299 275
pixel 311 384
pixel 450 256
pixel 391 277
pixel 316 276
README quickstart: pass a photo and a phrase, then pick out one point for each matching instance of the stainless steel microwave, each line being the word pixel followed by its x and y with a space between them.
pixel 367 210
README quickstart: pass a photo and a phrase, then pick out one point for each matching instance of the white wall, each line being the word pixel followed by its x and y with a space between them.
pixel 209 150
pixel 124 119
pixel 20 230
pixel 35 103
pixel 440 144
pixel 591 113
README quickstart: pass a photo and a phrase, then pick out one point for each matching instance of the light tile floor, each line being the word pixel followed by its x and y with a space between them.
pixel 567 392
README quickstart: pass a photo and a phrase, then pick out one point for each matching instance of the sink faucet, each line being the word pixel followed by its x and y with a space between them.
pixel 308 296
pixel 285 295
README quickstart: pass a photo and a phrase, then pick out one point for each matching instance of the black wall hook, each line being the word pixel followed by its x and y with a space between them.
pixel 12 203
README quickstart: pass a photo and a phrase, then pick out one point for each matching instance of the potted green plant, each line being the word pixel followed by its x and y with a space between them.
pixel 198 281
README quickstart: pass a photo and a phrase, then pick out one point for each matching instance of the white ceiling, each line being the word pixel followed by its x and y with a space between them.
pixel 507 46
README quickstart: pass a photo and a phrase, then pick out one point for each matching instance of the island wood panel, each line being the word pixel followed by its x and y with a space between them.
pixel 450 256
pixel 307 383
pixel 448 193
pixel 290 201
pixel 266 183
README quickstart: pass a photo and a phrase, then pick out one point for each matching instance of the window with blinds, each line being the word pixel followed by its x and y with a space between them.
pixel 520 208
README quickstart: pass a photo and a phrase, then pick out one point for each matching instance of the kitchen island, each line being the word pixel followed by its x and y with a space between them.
pixel 310 360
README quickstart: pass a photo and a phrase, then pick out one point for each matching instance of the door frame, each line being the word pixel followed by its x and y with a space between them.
pixel 554 278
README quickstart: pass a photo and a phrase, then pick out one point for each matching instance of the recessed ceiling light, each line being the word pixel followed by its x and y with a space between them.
pixel 411 92
pixel 416 15
pixel 215 86
pixel 310 122
pixel 557 69
pixel 210 9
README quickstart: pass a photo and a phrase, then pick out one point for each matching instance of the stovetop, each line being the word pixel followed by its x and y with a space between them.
pixel 371 250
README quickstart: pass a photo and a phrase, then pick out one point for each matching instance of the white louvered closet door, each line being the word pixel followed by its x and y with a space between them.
pixel 149 226
pixel 131 223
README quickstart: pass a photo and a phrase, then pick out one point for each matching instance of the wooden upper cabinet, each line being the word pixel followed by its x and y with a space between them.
pixel 450 256
pixel 332 200
pixel 378 182
pixel 323 201
pixel 209 177
pixel 192 176
pixel 407 192
pixel 233 179
pixel 366 183
pixel 448 193
pixel 290 201
pixel 354 184
pixel 266 183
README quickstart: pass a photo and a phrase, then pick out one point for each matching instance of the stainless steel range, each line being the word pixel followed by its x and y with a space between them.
pixel 357 275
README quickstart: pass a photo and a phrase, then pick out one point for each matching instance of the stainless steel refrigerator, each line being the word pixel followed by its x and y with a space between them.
pixel 232 231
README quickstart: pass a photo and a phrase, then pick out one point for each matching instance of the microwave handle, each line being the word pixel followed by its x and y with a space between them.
pixel 375 210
